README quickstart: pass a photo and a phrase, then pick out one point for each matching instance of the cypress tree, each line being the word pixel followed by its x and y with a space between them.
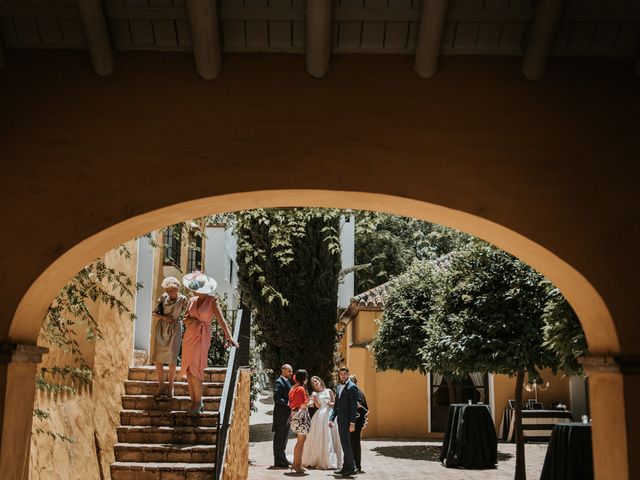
pixel 288 267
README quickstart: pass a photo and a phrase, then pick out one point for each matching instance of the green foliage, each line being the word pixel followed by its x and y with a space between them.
pixel 219 349
pixel 563 334
pixel 401 331
pixel 70 315
pixel 96 283
pixel 488 316
pixel 288 267
pixel 389 244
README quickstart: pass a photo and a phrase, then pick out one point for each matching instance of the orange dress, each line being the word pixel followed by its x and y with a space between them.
pixel 197 338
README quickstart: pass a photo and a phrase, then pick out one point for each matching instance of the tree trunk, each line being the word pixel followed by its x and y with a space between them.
pixel 521 473
pixel 451 384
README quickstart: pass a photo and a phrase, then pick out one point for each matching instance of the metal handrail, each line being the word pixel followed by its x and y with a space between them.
pixel 229 391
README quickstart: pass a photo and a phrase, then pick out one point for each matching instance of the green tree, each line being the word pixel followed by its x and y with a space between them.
pixel 288 267
pixel 489 318
pixel 390 244
pixel 401 330
pixel 563 334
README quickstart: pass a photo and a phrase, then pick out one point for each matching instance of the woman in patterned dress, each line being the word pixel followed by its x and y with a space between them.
pixel 300 420
pixel 166 341
pixel 202 308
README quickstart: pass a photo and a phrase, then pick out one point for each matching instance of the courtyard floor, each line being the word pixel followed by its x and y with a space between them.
pixel 384 458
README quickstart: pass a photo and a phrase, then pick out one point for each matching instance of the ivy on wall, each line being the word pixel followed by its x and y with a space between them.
pixel 288 269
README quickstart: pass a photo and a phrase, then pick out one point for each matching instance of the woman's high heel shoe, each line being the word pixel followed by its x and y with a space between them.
pixel 199 408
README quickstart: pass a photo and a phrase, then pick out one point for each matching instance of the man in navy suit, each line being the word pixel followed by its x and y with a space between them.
pixel 281 414
pixel 361 422
pixel 346 408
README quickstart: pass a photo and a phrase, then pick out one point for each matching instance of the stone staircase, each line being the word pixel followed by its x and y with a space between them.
pixel 159 439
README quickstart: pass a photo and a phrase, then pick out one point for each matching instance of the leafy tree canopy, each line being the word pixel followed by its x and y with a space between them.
pixel 402 332
pixel 288 267
pixel 488 315
pixel 563 334
pixel 390 244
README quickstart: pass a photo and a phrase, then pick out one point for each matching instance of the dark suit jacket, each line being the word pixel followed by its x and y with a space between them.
pixel 281 400
pixel 346 406
pixel 363 411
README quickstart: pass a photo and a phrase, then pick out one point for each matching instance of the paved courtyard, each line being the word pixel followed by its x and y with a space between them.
pixel 384 459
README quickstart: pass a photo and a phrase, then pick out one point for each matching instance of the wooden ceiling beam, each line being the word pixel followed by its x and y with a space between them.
pixel 543 28
pixel 318 43
pixel 97 36
pixel 205 35
pixel 432 20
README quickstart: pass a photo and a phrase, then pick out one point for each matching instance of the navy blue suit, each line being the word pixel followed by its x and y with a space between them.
pixel 346 409
pixel 280 426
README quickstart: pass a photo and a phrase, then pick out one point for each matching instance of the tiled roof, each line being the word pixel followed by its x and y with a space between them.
pixel 375 298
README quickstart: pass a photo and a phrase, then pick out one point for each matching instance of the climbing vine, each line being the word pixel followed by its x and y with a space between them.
pixel 288 269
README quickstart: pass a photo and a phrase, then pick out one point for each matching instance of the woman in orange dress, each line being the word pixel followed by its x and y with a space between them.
pixel 202 308
pixel 300 420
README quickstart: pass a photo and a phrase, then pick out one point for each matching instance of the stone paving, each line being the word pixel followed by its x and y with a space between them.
pixel 385 458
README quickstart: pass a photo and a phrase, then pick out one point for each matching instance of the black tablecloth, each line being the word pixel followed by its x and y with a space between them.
pixel 569 455
pixel 470 440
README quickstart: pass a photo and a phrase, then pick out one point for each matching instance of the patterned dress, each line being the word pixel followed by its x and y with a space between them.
pixel 300 419
pixel 197 338
pixel 166 341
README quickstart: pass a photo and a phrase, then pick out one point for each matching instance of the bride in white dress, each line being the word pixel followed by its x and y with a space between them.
pixel 322 449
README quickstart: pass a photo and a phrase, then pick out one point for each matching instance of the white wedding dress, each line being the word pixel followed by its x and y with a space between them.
pixel 322 447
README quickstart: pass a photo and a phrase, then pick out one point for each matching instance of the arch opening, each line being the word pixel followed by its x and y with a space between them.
pixel 589 306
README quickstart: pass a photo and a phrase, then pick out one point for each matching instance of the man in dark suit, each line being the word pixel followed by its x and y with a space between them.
pixel 346 408
pixel 361 422
pixel 281 414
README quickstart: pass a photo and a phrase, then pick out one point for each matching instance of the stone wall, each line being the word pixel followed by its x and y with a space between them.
pixel 91 416
pixel 236 465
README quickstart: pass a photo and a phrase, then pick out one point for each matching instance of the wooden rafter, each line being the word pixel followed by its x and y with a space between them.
pixel 318 44
pixel 432 19
pixel 97 36
pixel 541 37
pixel 203 21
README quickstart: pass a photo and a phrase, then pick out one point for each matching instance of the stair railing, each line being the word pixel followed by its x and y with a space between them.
pixel 238 357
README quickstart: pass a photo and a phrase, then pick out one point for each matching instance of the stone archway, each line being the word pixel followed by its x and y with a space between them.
pixel 544 170
pixel 606 386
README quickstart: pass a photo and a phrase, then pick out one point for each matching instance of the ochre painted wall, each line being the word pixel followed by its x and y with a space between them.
pixel 546 170
pixel 397 401
pixel 504 390
pixel 477 138
pixel 90 417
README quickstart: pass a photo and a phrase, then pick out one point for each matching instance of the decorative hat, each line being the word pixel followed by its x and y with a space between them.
pixel 198 282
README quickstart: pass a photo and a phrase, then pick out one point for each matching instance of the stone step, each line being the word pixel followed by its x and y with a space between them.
pixel 156 434
pixel 147 402
pixel 150 387
pixel 148 372
pixel 161 471
pixel 155 452
pixel 168 418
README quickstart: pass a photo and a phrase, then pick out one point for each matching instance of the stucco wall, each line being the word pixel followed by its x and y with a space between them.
pixel 546 170
pixel 504 390
pixel 236 465
pixel 91 416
